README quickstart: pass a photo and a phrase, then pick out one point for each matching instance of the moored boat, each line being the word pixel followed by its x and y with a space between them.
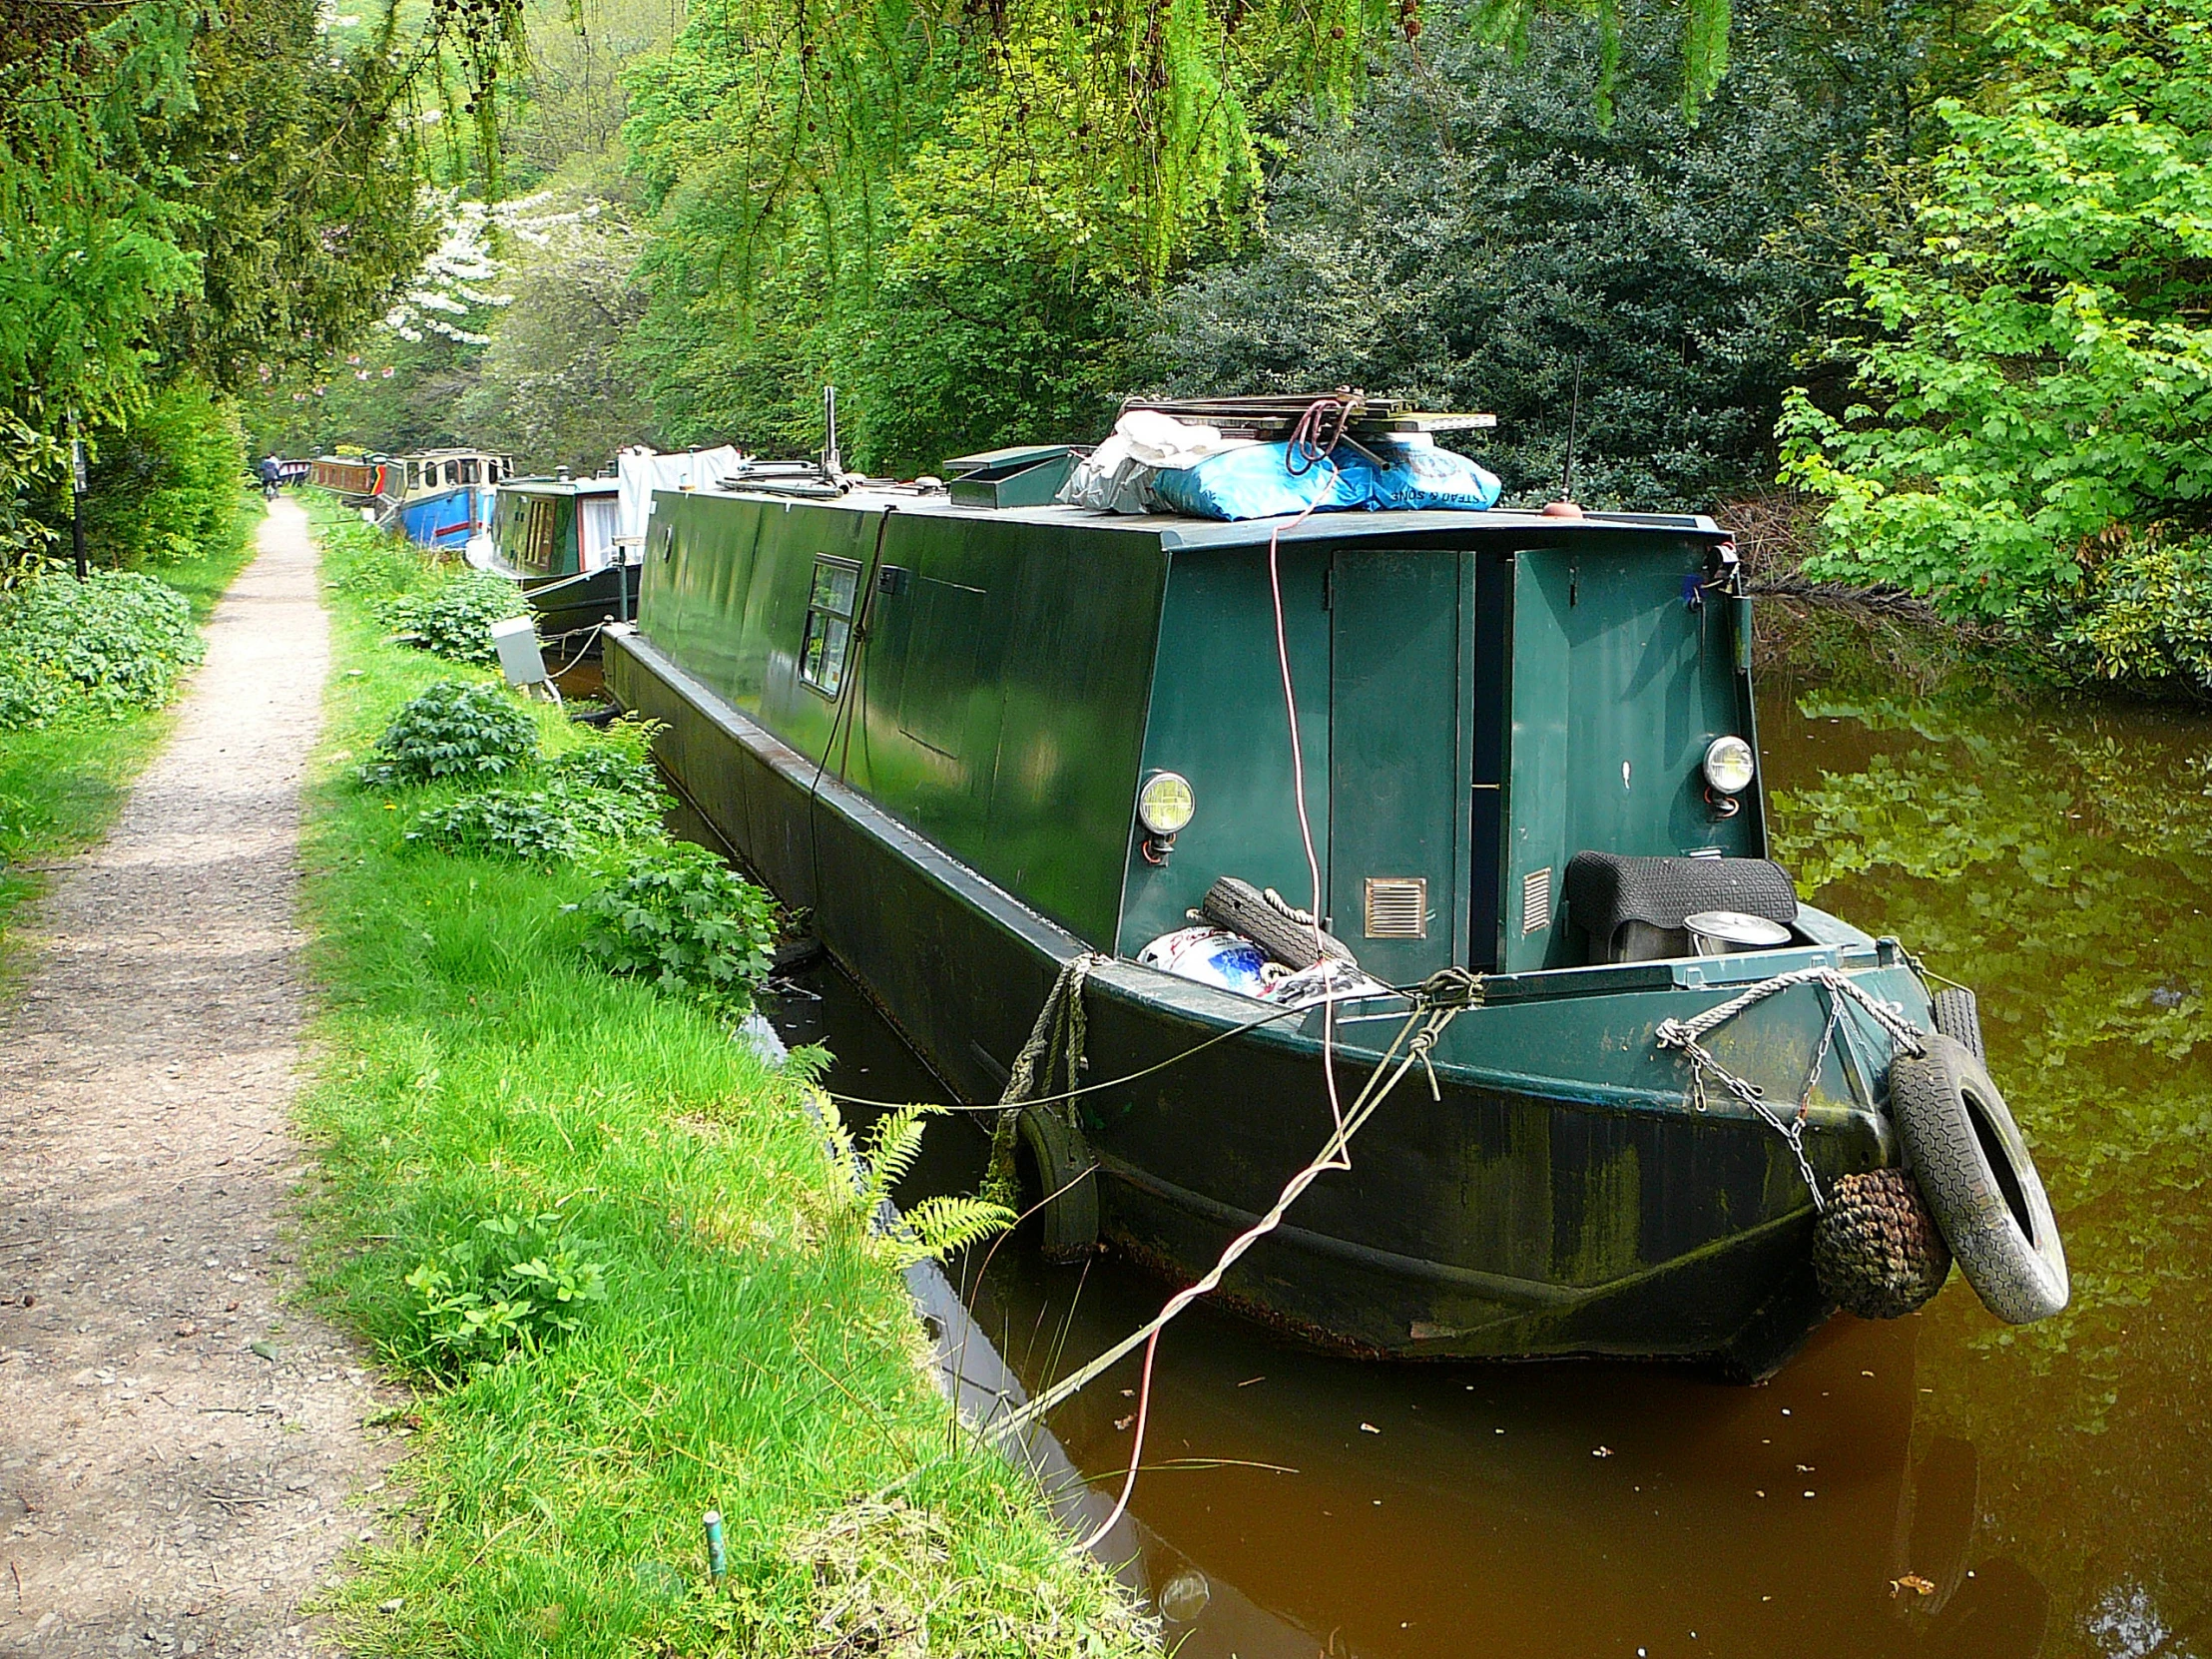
pixel 574 545
pixel 441 498
pixel 1007 754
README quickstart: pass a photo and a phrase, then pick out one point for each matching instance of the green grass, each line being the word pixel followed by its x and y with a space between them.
pixel 62 787
pixel 755 1354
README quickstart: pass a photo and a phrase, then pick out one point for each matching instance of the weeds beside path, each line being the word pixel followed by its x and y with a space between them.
pixel 754 1353
pixel 176 1449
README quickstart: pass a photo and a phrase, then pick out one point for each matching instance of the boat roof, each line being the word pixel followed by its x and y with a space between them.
pixel 562 486
pixel 1176 530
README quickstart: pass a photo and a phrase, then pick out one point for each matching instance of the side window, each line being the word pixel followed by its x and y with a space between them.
pixel 829 624
pixel 468 472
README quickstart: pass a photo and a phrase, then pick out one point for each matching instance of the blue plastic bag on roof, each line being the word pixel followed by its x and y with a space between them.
pixel 1258 481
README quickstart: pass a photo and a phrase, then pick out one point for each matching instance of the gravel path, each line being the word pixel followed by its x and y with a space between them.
pixel 177 1451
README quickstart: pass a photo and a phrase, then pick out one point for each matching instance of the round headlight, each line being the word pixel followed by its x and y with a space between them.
pixel 1728 764
pixel 1165 803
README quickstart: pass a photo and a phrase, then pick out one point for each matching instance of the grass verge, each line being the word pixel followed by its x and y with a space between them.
pixel 754 1353
pixel 62 785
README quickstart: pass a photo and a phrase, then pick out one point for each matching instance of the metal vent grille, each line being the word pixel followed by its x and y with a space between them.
pixel 1397 908
pixel 1536 902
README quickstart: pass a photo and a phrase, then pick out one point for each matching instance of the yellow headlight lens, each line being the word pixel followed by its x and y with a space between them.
pixel 1165 803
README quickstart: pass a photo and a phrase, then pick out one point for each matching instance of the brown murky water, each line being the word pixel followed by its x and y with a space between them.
pixel 2050 1487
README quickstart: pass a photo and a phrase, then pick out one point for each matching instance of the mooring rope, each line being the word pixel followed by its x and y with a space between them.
pixel 1687 1034
pixel 1057 1035
pixel 1456 990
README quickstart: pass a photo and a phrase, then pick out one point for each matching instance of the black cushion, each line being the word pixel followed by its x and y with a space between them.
pixel 1606 892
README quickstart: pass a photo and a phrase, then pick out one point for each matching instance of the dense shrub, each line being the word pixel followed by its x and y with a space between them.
pixel 117 641
pixel 454 618
pixel 678 915
pixel 2035 370
pixel 2146 613
pixel 511 1281
pixel 604 791
pixel 509 822
pixel 166 485
pixel 453 731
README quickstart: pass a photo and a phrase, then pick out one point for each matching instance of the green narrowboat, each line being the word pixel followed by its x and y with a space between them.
pixel 556 539
pixel 997 751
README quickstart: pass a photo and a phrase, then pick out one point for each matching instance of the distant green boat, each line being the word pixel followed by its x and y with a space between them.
pixel 966 738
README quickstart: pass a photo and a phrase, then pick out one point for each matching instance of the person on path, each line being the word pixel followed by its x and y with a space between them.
pixel 272 475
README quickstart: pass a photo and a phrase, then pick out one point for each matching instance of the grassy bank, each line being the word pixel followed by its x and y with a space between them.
pixel 61 785
pixel 754 1353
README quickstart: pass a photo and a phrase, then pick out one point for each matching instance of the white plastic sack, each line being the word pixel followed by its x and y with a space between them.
pixel 1117 476
pixel 642 471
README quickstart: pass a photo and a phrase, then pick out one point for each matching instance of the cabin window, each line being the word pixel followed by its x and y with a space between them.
pixel 829 624
pixel 537 535
pixel 468 472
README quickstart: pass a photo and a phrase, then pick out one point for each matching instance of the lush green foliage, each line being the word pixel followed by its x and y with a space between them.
pixel 2039 380
pixel 944 216
pixel 507 822
pixel 678 915
pixel 933 1227
pixel 454 619
pixel 471 1061
pixel 510 1282
pixel 71 649
pixel 164 483
pixel 603 792
pixel 1480 239
pixel 453 730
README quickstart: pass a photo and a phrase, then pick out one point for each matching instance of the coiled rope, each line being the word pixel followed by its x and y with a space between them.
pixel 1687 1035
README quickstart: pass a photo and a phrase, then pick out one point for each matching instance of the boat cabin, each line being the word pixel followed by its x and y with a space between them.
pixel 1480 698
pixel 556 526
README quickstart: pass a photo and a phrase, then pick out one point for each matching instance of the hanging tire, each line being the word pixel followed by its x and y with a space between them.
pixel 1964 1150
pixel 1066 1197
pixel 1958 1016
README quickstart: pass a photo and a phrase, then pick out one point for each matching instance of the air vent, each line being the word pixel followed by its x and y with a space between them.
pixel 1397 908
pixel 1536 902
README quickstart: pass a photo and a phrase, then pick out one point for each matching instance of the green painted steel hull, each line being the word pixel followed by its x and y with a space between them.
pixel 1556 1195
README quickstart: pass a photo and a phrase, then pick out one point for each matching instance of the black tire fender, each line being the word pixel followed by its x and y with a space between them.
pixel 1958 1016
pixel 1067 1177
pixel 1974 1168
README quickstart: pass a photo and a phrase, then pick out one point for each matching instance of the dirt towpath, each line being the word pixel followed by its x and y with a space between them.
pixel 177 1451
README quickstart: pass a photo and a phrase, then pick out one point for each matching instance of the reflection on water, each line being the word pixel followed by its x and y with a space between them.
pixel 1943 1485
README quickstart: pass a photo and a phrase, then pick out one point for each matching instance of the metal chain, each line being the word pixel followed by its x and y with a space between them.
pixel 1685 1034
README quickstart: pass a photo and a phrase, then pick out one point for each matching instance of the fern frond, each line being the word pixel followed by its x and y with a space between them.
pixel 945 1225
pixel 894 1146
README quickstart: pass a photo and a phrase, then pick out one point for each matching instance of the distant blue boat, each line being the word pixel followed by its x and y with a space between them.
pixel 443 497
pixel 448 518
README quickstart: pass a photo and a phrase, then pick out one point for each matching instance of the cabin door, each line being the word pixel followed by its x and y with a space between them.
pixel 1400 723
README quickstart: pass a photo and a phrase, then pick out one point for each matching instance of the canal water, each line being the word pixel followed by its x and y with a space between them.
pixel 1940 1485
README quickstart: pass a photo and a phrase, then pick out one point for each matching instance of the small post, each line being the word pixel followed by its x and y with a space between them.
pixel 718 1564
pixel 77 496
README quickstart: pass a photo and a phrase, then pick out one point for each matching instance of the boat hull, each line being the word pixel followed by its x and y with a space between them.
pixel 448 519
pixel 574 605
pixel 1493 1211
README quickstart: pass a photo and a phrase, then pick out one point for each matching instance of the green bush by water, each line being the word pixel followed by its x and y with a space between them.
pixel 453 617
pixel 680 917
pixel 453 730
